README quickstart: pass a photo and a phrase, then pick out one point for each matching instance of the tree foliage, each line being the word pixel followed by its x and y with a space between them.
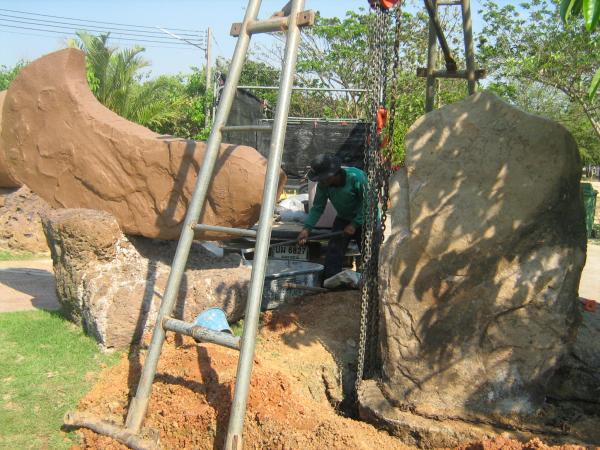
pixel 7 74
pixel 535 46
pixel 590 10
pixel 544 66
pixel 115 79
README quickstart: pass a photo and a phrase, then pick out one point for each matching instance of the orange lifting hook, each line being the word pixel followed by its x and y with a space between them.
pixel 384 4
pixel 382 116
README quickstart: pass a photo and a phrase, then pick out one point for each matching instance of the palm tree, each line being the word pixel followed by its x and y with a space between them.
pixel 114 78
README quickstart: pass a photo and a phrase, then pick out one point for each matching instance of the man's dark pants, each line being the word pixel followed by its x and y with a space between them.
pixel 336 248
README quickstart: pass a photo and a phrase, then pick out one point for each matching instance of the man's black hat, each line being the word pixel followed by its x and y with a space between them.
pixel 323 167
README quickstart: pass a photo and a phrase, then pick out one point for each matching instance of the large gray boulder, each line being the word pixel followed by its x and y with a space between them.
pixel 113 284
pixel 478 291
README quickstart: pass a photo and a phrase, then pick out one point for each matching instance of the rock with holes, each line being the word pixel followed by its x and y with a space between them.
pixel 112 284
pixel 75 153
pixel 20 222
pixel 478 291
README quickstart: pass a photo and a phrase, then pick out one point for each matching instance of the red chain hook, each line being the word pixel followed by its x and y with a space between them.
pixel 384 4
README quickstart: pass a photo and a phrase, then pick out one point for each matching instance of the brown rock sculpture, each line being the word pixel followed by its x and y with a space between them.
pixel 479 295
pixel 113 285
pixel 75 153
pixel 6 180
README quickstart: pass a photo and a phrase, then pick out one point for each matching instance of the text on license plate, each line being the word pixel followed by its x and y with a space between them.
pixel 290 252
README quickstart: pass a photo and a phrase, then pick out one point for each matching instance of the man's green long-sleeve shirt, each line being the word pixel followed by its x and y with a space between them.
pixel 347 199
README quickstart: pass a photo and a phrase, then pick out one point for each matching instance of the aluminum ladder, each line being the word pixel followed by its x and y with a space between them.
pixel 291 18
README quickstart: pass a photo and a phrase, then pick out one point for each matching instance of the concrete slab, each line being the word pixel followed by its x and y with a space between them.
pixel 27 285
pixel 589 287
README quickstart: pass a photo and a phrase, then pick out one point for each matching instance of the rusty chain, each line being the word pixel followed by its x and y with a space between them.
pixel 377 166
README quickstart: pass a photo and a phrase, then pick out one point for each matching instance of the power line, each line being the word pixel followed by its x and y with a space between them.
pixel 56 24
pixel 94 21
pixel 181 47
pixel 63 33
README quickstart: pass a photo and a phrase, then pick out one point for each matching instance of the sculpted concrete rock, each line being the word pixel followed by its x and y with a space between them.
pixel 6 179
pixel 479 295
pixel 113 284
pixel 75 153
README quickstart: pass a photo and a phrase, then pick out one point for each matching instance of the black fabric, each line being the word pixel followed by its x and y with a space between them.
pixel 303 140
pixel 337 246
pixel 306 140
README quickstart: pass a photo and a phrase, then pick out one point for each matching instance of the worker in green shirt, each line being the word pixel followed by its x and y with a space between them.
pixel 345 187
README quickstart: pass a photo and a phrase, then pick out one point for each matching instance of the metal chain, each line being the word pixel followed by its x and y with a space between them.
pixel 377 166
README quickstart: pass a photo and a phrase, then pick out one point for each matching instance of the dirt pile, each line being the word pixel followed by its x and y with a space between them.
pixel 288 405
pixel 502 443
pixel 304 354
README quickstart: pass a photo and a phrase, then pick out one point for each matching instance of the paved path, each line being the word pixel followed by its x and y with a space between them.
pixel 27 285
pixel 590 278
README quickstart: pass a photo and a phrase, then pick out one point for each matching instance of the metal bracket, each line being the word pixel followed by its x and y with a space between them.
pixel 275 23
pixel 479 73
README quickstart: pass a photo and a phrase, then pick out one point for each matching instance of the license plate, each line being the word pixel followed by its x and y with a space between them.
pixel 290 252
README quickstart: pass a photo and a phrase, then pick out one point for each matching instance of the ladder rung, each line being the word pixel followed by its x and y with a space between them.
pixel 304 19
pixel 230 128
pixel 227 230
pixel 201 334
pixel 449 2
pixel 479 73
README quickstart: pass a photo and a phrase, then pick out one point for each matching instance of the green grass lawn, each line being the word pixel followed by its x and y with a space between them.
pixel 9 255
pixel 46 365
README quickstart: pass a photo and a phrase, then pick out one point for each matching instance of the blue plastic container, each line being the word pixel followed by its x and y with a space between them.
pixel 213 319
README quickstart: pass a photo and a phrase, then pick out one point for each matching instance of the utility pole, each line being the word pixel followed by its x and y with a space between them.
pixel 208 54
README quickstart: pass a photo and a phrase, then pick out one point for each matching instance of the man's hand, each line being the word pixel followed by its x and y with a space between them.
pixel 303 236
pixel 350 230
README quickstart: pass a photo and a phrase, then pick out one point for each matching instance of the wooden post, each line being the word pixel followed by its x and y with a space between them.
pixel 208 110
pixel 431 65
pixel 469 52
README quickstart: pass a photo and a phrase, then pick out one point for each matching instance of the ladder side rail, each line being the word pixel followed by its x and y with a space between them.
pixel 244 369
pixel 139 404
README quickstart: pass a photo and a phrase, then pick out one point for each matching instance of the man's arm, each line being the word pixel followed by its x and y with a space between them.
pixel 317 209
pixel 360 186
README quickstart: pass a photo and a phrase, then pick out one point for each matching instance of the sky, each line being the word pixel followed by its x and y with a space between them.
pixel 167 56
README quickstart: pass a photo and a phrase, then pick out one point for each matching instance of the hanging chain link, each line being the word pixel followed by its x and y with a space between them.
pixel 377 166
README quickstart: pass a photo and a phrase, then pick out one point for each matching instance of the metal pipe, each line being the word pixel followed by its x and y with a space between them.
pixel 319 119
pixel 234 128
pixel 139 404
pixel 244 370
pixel 315 237
pixel 227 230
pixel 469 52
pixel 201 334
pixel 432 11
pixel 276 24
pixel 431 63
pixel 423 72
pixel 77 419
pixel 300 88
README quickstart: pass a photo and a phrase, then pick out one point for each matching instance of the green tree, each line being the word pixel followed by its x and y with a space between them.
pixel 7 74
pixel 115 79
pixel 590 10
pixel 531 45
